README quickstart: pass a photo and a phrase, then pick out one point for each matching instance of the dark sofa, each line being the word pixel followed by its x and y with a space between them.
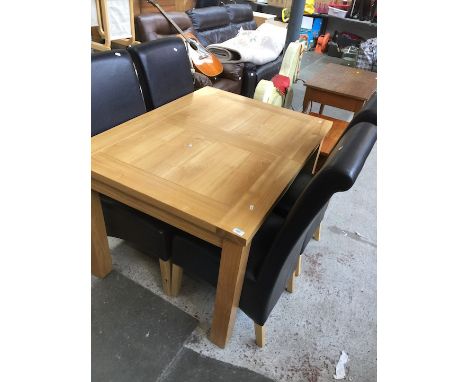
pixel 214 25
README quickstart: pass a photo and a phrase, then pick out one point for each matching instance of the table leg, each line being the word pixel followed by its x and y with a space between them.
pixel 101 261
pixel 230 280
pixel 321 108
pixel 307 102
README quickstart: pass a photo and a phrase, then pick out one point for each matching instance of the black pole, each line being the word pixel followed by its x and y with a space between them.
pixel 295 21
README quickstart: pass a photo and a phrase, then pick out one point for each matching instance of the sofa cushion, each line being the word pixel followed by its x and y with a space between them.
pixel 239 13
pixel 211 24
pixel 208 18
pixel 241 16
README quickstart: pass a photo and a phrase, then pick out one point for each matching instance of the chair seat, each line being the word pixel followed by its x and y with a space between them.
pixel 147 234
pixel 203 259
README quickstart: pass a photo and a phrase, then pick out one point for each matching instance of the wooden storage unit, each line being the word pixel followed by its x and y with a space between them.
pixel 142 6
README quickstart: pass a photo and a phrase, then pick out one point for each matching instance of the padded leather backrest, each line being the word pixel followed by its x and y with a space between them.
pixel 164 70
pixel 239 13
pixel 150 26
pixel 241 16
pixel 208 18
pixel 211 24
pixel 115 92
pixel 339 173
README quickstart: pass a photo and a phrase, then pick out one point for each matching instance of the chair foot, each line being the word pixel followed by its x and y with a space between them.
pixel 176 281
pixel 290 287
pixel 298 266
pixel 316 234
pixel 166 275
pixel 259 335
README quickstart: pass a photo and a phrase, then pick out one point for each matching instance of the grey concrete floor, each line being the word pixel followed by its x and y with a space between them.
pixel 333 307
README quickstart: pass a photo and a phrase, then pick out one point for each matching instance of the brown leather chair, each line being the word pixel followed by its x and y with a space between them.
pixel 151 26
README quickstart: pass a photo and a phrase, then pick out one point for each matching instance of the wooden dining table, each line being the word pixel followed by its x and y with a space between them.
pixel 212 164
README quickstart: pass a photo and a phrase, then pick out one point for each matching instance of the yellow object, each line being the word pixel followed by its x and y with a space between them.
pixel 309 7
pixel 285 13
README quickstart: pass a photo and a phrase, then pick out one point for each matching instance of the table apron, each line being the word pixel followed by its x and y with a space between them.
pixel 335 100
pixel 171 219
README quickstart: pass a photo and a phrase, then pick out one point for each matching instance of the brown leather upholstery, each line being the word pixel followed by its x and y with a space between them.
pixel 151 26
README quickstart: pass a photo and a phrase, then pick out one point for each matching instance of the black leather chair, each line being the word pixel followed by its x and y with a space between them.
pixel 163 69
pixel 115 91
pixel 277 245
pixel 115 98
pixel 367 114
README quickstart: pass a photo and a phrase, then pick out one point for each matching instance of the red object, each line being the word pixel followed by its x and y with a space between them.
pixel 322 43
pixel 343 7
pixel 281 83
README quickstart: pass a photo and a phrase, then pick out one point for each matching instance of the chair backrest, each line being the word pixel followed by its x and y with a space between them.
pixel 339 173
pixel 367 114
pixel 115 91
pixel 150 26
pixel 211 24
pixel 164 68
pixel 241 16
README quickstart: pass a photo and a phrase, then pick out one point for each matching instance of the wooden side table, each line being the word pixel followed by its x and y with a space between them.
pixel 339 86
pixel 342 87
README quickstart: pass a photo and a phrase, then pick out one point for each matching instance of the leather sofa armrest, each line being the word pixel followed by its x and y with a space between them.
pixel 232 71
pixel 254 73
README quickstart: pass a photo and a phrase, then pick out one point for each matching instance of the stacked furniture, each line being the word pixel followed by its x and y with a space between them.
pixel 212 25
pixel 152 26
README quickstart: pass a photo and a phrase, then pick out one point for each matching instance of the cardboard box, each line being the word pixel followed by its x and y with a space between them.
pixel 260 17
pixel 280 3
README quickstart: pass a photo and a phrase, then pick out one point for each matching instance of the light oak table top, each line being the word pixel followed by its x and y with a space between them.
pixel 211 163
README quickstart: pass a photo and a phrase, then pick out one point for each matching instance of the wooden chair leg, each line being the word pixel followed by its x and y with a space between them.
pixel 290 287
pixel 176 280
pixel 166 275
pixel 316 235
pixel 299 266
pixel 259 335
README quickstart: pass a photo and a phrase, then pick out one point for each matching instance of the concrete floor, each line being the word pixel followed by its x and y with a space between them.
pixel 333 307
